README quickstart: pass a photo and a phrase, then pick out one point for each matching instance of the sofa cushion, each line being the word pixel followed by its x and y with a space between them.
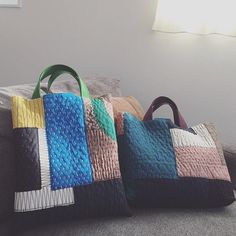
pixel 7 180
pixel 97 87
pixel 230 157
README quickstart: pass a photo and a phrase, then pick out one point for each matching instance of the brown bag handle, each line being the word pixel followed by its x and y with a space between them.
pixel 160 101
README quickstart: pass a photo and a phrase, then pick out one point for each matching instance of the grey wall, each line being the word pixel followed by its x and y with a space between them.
pixel 114 38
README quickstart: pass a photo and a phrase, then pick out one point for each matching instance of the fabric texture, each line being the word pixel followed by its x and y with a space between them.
pixel 60 174
pixel 151 161
pixel 7 178
pixel 230 156
pixel 28 113
pixel 27 158
pixel 127 104
pixel 151 222
pixel 67 144
pixel 163 165
pixel 97 86
pixel 99 156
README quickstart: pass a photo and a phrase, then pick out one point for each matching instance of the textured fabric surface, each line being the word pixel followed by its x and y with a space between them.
pixel 97 87
pixel 104 119
pixel 27 159
pixel 153 156
pixel 103 198
pixel 105 164
pixel 151 222
pixel 43 199
pixel 183 192
pixel 66 181
pixel 127 104
pixel 163 165
pixel 200 162
pixel 7 178
pixel 230 156
pixel 213 132
pixel 27 113
pixel 65 127
pixel 197 154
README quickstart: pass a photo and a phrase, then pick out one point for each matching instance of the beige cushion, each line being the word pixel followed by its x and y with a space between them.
pixel 127 104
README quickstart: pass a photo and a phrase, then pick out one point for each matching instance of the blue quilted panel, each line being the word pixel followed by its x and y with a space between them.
pixel 149 152
pixel 68 152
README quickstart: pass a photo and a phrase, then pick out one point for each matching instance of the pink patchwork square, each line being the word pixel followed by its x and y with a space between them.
pixel 197 155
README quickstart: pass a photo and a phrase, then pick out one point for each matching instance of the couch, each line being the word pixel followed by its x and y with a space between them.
pixel 199 222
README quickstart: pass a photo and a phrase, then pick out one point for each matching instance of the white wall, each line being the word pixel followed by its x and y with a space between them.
pixel 114 38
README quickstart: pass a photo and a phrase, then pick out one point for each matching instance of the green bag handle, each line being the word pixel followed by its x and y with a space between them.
pixel 55 71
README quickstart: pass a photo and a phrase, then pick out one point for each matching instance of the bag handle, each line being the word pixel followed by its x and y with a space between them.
pixel 160 101
pixel 55 71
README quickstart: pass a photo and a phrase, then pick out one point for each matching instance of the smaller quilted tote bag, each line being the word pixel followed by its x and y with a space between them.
pixel 166 164
pixel 66 155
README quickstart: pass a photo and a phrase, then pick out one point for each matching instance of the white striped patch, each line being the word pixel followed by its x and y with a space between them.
pixel 43 199
pixel 44 159
pixel 202 138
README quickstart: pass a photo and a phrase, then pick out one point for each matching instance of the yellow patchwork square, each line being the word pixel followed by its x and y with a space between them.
pixel 27 113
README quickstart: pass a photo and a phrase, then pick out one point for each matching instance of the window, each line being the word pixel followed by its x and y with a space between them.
pixel 10 3
pixel 196 16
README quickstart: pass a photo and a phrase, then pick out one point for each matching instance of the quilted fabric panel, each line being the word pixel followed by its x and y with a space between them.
pixel 103 150
pixel 212 131
pixel 105 121
pixel 108 106
pixel 148 149
pixel 197 155
pixel 200 162
pixel 204 134
pixel 27 159
pixel 181 168
pixel 43 199
pixel 27 113
pixel 120 123
pixel 184 138
pixel 182 192
pixel 101 198
pixel 68 152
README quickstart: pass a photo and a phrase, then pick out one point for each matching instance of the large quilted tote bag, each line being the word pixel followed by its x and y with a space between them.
pixel 66 155
pixel 166 164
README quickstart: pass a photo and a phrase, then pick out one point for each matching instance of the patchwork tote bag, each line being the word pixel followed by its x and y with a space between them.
pixel 66 155
pixel 166 164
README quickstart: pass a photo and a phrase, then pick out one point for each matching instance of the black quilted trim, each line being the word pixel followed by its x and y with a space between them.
pixel 27 159
pixel 101 198
pixel 183 192
pixel 105 198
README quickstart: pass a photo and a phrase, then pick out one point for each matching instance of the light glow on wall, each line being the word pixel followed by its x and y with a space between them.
pixel 196 16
